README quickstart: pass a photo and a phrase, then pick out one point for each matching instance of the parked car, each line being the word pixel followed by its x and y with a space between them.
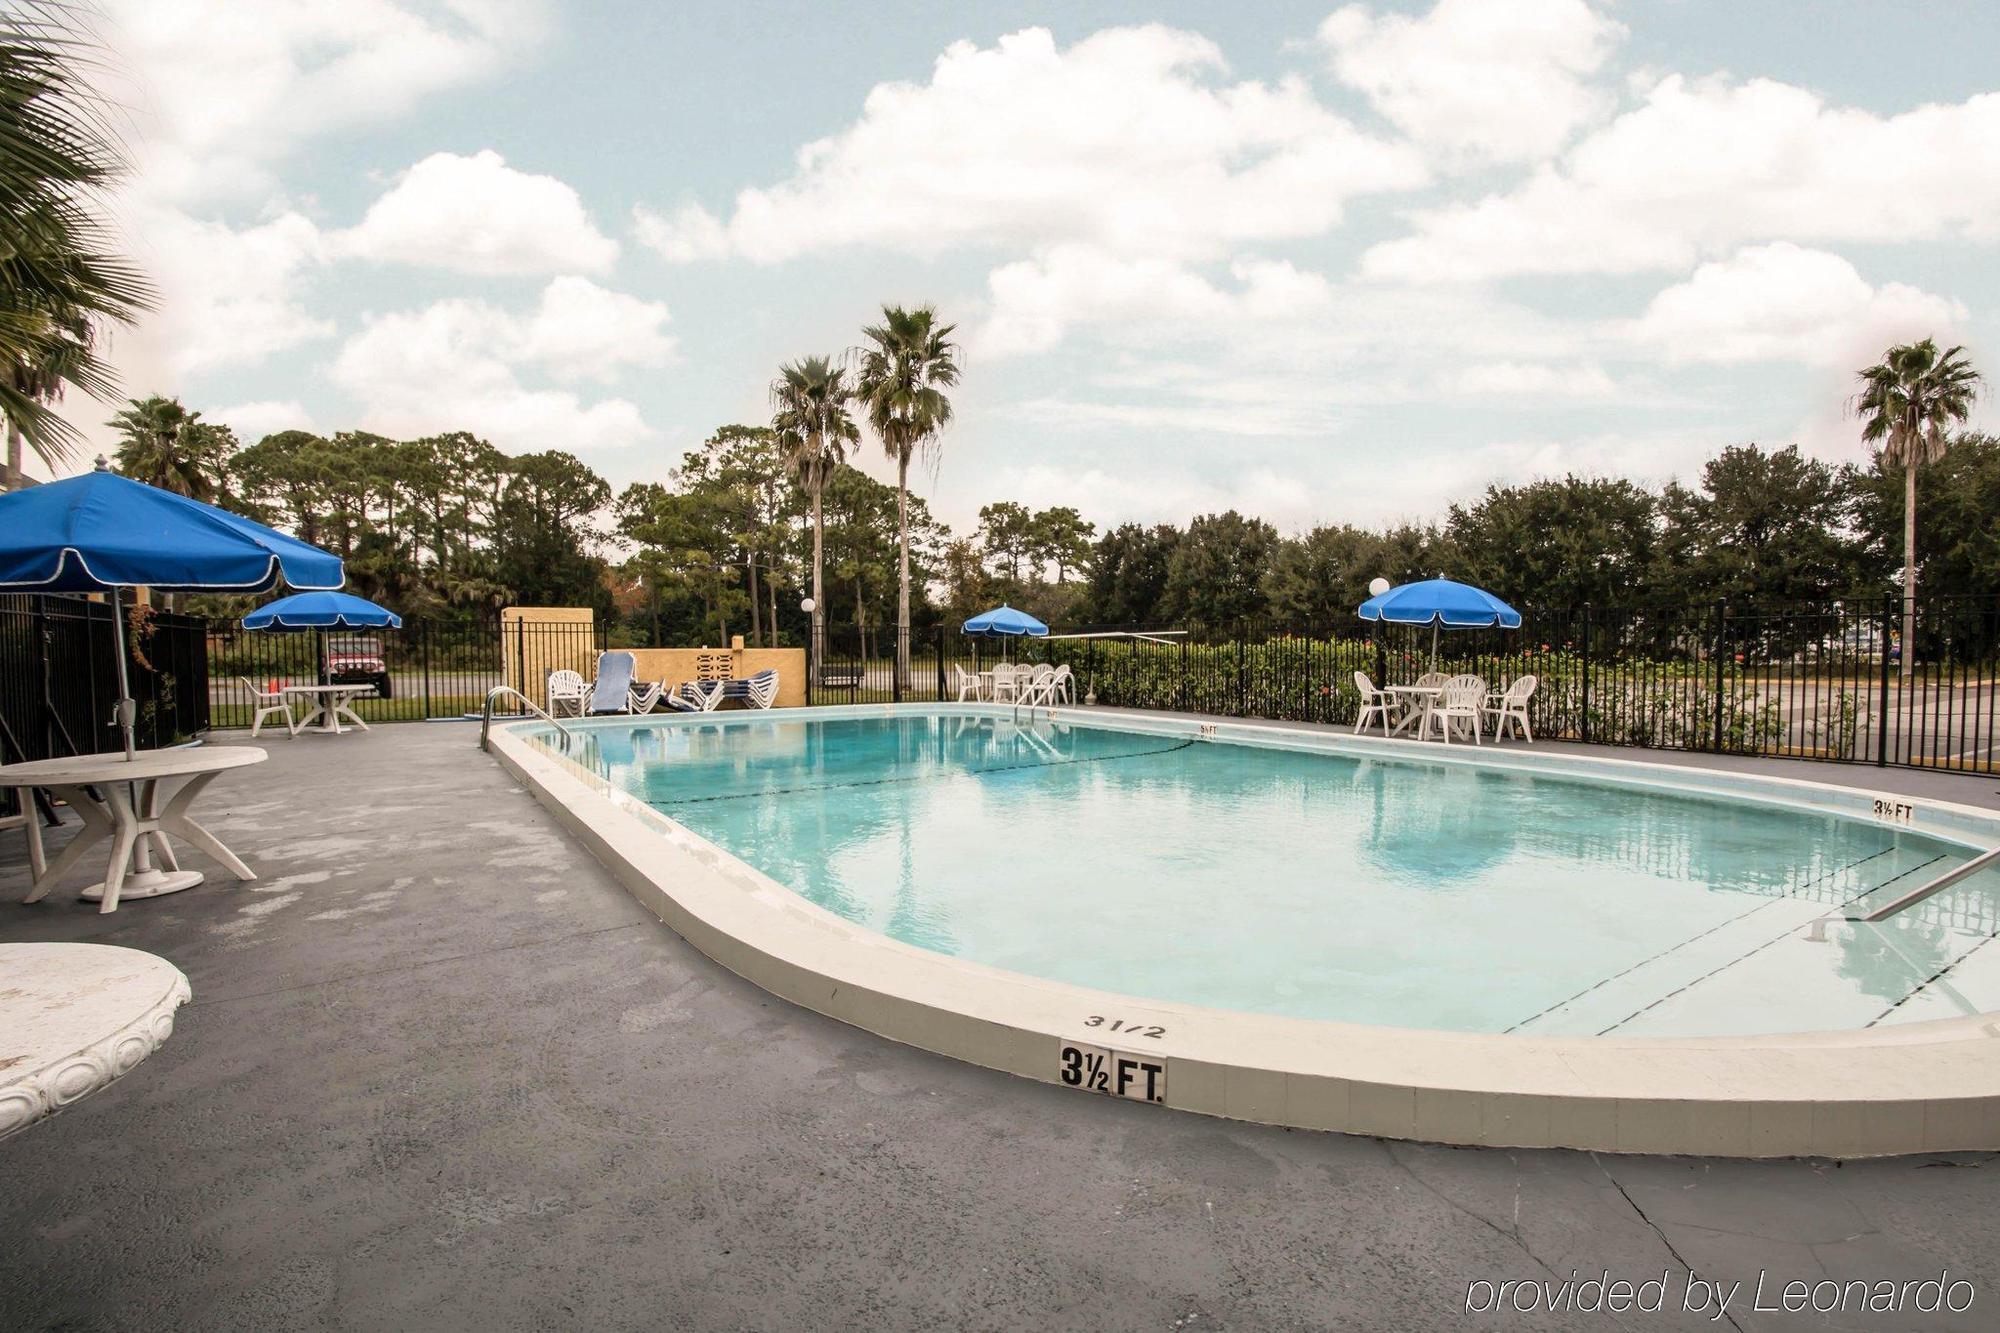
pixel 357 660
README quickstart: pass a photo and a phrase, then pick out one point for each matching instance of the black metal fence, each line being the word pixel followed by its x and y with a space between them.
pixel 59 678
pixel 426 669
pixel 1821 681
pixel 1824 681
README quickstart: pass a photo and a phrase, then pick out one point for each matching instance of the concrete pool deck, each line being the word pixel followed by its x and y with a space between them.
pixel 441 1071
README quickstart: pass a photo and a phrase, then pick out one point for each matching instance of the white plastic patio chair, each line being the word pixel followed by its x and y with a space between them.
pixel 269 704
pixel 566 692
pixel 1464 700
pixel 1375 703
pixel 1064 685
pixel 1511 705
pixel 968 685
pixel 1007 681
pixel 1036 689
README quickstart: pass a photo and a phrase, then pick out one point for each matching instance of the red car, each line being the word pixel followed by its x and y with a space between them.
pixel 357 660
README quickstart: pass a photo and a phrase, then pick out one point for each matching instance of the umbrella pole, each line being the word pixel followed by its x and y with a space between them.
pixel 128 711
pixel 1434 645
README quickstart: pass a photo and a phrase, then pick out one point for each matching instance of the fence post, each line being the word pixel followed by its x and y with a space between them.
pixel 1882 712
pixel 1721 656
pixel 940 662
pixel 1381 654
pixel 521 654
pixel 1583 712
pixel 1180 682
pixel 1242 670
pixel 424 655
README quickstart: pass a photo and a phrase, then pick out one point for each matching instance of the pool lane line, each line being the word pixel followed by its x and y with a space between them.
pixel 921 777
pixel 1936 976
pixel 1671 948
pixel 1757 949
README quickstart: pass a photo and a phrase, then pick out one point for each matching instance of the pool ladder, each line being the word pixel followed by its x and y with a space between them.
pixel 486 714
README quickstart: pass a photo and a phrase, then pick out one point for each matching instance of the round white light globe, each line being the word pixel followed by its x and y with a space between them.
pixel 806 605
pixel 1376 587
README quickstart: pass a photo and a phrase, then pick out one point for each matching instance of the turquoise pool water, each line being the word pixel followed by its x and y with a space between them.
pixel 1408 893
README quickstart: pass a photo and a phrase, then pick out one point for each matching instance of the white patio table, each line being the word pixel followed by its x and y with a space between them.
pixel 129 810
pixel 1417 703
pixel 73 1017
pixel 330 704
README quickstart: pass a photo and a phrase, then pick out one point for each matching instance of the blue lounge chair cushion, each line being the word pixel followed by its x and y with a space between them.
pixel 614 683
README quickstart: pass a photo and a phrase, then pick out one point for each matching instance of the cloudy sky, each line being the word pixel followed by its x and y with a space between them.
pixel 1317 262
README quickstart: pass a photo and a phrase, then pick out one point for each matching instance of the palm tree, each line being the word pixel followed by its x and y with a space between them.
pixel 172 448
pixel 1905 403
pixel 904 369
pixel 809 401
pixel 59 282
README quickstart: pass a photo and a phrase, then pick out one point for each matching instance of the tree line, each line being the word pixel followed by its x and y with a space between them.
pixel 448 524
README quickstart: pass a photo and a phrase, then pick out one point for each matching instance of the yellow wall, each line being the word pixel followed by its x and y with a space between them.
pixel 674 665
pixel 535 640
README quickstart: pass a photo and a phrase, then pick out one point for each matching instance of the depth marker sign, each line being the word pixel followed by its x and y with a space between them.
pixel 1139 1078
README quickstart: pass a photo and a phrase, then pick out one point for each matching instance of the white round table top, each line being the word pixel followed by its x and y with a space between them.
pixel 73 1017
pixel 79 770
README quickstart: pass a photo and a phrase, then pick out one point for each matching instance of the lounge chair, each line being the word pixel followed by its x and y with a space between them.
pixel 689 697
pixel 1464 699
pixel 1511 705
pixel 1375 702
pixel 566 692
pixel 645 694
pixel 269 704
pixel 759 691
pixel 612 692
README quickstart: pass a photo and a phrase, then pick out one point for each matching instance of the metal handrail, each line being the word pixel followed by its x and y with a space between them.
pixel 1942 882
pixel 486 714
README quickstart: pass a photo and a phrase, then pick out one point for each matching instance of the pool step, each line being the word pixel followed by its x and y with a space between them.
pixel 1729 978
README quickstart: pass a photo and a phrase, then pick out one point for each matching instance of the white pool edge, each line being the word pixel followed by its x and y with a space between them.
pixel 1920 1087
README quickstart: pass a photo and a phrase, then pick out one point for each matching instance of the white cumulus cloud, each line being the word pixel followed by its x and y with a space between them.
pixel 478 215
pixel 581 331
pixel 1499 81
pixel 1131 139
pixel 1782 302
pixel 229 296
pixel 1706 165
pixel 1035 301
pixel 459 364
pixel 252 421
pixel 225 89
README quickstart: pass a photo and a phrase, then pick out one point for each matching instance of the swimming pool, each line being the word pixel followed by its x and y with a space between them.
pixel 1405 892
pixel 1513 946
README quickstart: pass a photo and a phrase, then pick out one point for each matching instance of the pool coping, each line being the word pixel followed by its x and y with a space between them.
pixel 1918 1087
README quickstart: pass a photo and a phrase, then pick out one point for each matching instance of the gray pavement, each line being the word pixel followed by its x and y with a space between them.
pixel 441 1072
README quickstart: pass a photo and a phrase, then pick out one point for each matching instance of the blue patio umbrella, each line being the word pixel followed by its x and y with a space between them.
pixel 322 610
pixel 1437 602
pixel 101 532
pixel 1005 622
